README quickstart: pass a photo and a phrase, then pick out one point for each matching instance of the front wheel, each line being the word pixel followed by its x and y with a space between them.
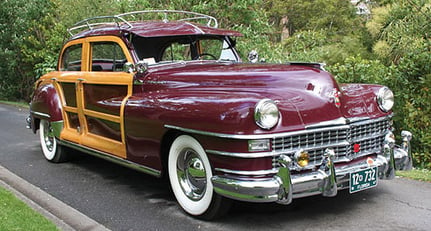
pixel 190 177
pixel 52 151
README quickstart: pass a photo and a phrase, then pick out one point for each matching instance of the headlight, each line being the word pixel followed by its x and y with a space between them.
pixel 385 99
pixel 266 114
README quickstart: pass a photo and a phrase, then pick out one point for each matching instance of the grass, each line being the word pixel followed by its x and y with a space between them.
pixel 16 215
pixel 416 174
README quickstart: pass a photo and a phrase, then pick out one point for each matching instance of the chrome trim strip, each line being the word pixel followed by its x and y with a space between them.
pixel 336 124
pixel 114 159
pixel 244 154
pixel 358 140
pixel 271 154
pixel 359 122
pixel 317 147
pixel 339 121
pixel 366 120
pixel 253 137
pixel 248 173
pixel 215 134
pixel 44 115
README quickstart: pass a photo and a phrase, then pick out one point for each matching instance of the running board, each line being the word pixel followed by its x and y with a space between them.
pixel 108 157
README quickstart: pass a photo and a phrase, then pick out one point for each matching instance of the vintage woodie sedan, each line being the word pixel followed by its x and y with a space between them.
pixel 171 97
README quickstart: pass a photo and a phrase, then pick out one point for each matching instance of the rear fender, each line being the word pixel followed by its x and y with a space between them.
pixel 46 105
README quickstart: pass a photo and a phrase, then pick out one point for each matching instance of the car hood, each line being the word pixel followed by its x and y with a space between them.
pixel 305 95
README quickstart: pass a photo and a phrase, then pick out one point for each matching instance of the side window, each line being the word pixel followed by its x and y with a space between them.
pixel 71 59
pixel 107 56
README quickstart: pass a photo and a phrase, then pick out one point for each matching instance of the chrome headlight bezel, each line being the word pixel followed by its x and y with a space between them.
pixel 266 114
pixel 385 99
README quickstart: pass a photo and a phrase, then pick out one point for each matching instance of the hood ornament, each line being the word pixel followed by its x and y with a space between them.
pixel 335 97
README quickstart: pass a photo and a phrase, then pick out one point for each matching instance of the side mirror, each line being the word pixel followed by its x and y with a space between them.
pixel 140 67
pixel 253 56
pixel 129 67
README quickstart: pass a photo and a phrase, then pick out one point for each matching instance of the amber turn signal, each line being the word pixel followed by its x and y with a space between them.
pixel 302 158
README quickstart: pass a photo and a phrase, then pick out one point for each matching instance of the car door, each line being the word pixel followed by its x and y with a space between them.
pixel 94 98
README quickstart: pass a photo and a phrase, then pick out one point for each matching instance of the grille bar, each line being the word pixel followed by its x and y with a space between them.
pixel 368 135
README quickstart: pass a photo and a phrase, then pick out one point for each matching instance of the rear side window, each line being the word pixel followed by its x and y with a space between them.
pixel 107 56
pixel 71 59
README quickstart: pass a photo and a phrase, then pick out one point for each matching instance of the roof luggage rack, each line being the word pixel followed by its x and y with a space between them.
pixel 120 20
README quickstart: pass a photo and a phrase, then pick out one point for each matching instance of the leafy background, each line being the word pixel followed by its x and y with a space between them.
pixel 390 46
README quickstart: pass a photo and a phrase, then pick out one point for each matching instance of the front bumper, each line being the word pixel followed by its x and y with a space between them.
pixel 326 180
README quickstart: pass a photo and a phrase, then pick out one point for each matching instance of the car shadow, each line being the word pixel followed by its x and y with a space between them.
pixel 257 215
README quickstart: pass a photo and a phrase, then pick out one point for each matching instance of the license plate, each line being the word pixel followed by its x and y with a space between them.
pixel 363 179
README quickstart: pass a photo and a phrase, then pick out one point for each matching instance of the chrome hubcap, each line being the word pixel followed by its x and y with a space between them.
pixel 191 174
pixel 48 136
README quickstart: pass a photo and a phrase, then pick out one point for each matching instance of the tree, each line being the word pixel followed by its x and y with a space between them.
pixel 401 36
pixel 335 17
pixel 22 41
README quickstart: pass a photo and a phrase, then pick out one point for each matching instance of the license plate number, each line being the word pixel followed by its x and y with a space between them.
pixel 363 179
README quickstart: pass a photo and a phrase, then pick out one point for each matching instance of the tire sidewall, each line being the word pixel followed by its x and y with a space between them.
pixel 199 207
pixel 49 155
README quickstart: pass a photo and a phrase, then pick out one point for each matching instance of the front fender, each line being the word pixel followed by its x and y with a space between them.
pixel 223 112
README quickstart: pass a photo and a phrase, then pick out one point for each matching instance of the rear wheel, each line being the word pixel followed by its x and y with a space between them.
pixel 52 151
pixel 190 177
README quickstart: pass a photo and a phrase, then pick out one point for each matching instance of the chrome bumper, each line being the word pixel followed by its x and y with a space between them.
pixel 326 180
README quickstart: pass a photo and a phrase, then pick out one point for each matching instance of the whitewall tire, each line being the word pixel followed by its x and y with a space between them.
pixel 190 177
pixel 52 151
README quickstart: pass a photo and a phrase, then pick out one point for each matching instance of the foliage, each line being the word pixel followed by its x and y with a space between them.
pixel 406 32
pixel 319 46
pixel 22 26
pixel 336 17
pixel 402 48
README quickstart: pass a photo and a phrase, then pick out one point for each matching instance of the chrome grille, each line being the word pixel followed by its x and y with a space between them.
pixel 369 134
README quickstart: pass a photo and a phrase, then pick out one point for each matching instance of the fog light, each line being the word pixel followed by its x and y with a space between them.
pixel 302 158
pixel 258 145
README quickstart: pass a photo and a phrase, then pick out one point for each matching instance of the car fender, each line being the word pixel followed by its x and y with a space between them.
pixel 46 103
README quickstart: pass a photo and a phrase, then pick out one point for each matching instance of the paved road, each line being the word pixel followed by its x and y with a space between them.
pixel 122 199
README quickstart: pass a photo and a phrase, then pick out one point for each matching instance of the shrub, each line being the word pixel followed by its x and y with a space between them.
pixel 411 83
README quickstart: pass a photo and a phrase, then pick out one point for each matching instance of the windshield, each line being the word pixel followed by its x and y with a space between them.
pixel 184 48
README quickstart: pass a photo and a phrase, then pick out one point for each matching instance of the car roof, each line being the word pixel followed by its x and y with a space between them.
pixel 188 24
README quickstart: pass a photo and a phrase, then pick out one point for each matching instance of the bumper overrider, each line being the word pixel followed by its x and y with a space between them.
pixel 326 180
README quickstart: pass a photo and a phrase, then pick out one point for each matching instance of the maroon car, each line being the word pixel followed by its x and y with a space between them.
pixel 172 97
